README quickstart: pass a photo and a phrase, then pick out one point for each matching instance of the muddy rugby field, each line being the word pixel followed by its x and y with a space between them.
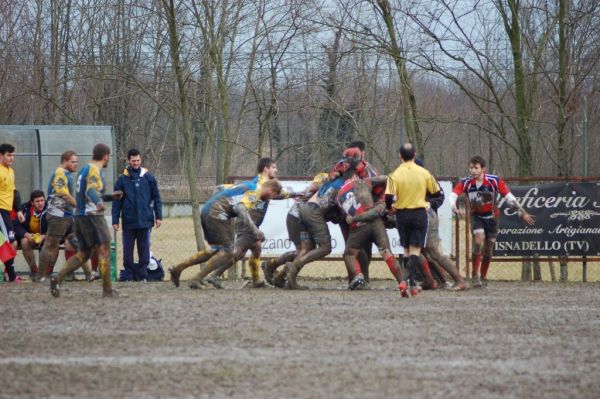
pixel 510 340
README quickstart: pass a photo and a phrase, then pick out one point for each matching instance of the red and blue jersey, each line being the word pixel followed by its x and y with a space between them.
pixel 483 198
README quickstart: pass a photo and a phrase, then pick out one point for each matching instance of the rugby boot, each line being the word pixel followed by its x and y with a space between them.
pixel 357 282
pixel 196 285
pixel 54 287
pixel 254 284
pixel 415 290
pixel 215 281
pixel 484 282
pixel 268 271
pixel 175 274
pixel 460 286
pixel 476 282
pixel 291 274
pixel 403 288
pixel 279 279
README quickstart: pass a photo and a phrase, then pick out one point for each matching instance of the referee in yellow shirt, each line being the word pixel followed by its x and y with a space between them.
pixel 406 189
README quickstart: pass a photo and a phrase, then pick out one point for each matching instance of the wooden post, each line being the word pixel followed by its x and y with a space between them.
pixel 552 271
pixel 526 270
pixel 584 269
pixel 564 269
pixel 537 270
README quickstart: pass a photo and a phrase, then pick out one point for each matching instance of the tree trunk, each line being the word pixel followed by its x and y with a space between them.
pixel 409 104
pixel 174 42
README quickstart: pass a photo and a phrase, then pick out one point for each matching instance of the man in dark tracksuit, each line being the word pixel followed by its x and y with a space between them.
pixel 140 210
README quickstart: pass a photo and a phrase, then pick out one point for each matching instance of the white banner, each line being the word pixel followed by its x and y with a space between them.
pixel 277 241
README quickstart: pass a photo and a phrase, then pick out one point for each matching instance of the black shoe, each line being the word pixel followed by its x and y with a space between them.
pixel 357 282
pixel 267 271
pixel 54 288
pixel 215 281
pixel 196 285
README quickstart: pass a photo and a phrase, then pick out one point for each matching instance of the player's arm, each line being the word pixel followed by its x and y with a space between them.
pixel 117 206
pixel 514 203
pixel 17 206
pixel 374 213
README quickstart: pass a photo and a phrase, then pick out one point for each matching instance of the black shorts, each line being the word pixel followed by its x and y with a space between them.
pixel 412 227
pixel 8 223
pixel 217 232
pixel 92 230
pixel 363 236
pixel 488 225
pixel 314 223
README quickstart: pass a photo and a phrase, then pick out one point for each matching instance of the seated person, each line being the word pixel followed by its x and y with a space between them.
pixel 30 231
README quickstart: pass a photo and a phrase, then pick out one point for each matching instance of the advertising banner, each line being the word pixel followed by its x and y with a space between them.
pixel 567 221
pixel 276 234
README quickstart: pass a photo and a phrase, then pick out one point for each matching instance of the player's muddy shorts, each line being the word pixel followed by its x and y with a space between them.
pixel 412 227
pixel 216 231
pixel 244 235
pixel 295 229
pixel 488 225
pixel 91 230
pixel 59 226
pixel 314 223
pixel 366 234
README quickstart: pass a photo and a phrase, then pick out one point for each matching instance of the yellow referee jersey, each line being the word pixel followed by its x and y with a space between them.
pixel 7 187
pixel 410 183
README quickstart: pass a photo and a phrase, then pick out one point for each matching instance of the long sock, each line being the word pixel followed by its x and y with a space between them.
pixel 476 262
pixel 254 265
pixel 10 271
pixel 94 261
pixel 413 266
pixel 87 270
pixel 485 265
pixel 196 259
pixel 394 267
pixel 427 271
pixel 70 266
pixel 46 259
pixel 104 267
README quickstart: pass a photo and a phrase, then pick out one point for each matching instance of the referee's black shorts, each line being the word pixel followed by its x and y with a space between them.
pixel 412 227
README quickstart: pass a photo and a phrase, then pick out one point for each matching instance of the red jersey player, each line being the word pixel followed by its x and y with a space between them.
pixel 483 191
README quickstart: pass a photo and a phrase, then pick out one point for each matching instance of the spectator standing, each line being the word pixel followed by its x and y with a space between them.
pixel 139 210
pixel 31 233
pixel 8 193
